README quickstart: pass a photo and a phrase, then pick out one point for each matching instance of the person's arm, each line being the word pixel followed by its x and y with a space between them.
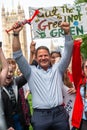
pixel 20 81
pixel 32 52
pixel 76 62
pixel 68 47
pixel 4 65
pixel 17 53
pixel 16 41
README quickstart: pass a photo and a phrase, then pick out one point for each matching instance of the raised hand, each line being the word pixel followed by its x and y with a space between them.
pixel 66 27
pixel 32 47
pixel 17 27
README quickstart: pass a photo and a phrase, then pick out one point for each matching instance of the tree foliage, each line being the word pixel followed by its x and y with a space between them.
pixel 84 37
pixel 79 1
pixel 84 45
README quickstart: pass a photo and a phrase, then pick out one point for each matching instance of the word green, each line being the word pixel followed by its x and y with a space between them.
pixel 73 30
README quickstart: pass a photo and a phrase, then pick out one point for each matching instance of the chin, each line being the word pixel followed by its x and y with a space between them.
pixel 8 82
pixel 44 66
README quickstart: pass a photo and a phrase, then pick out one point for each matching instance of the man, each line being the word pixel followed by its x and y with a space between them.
pixel 3 74
pixel 45 83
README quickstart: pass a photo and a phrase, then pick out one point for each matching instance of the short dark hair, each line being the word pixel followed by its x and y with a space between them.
pixel 55 52
pixel 42 47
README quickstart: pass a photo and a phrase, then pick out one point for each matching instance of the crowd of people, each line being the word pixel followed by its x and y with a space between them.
pixel 57 82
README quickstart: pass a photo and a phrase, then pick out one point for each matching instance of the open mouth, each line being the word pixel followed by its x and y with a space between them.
pixel 8 78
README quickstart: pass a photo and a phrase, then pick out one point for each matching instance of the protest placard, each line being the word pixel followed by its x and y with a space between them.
pixel 46 23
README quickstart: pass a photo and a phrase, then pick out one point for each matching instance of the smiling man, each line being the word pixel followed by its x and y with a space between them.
pixel 45 83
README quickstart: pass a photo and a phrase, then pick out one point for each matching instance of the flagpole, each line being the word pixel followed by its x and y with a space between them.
pixel 31 33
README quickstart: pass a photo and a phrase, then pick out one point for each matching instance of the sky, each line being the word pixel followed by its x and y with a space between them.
pixel 10 4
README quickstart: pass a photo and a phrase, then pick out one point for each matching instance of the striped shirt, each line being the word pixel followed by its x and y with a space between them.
pixel 46 86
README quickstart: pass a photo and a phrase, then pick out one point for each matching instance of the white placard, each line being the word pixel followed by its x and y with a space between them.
pixel 46 23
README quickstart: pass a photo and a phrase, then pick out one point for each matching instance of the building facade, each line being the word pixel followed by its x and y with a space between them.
pixel 8 19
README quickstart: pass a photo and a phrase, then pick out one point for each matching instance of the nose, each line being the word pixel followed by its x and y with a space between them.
pixel 43 57
pixel 9 73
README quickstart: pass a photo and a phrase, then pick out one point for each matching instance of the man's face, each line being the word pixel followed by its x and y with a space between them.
pixel 9 77
pixel 85 68
pixel 43 58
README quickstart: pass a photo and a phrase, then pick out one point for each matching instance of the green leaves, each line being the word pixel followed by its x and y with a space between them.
pixel 84 45
pixel 79 1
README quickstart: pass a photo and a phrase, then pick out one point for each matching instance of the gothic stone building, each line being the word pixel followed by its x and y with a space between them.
pixel 8 19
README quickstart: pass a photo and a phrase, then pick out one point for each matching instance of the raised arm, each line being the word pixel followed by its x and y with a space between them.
pixel 17 53
pixel 16 42
pixel 32 52
pixel 68 47
pixel 4 65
